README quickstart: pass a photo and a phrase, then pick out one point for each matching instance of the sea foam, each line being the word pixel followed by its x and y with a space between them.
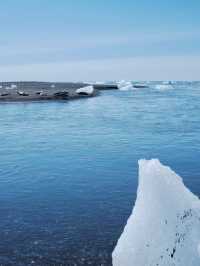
pixel 164 227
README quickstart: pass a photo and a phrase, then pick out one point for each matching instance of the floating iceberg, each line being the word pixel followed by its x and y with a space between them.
pixel 125 85
pixel 164 228
pixel 88 90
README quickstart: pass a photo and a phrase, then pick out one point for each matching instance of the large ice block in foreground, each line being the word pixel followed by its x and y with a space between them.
pixel 164 227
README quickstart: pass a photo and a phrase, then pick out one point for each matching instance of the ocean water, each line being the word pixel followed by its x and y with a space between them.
pixel 68 170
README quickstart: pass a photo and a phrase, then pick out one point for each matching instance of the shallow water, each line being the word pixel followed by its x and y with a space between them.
pixel 68 171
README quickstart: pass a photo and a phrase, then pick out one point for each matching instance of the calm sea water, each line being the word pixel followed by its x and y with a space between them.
pixel 68 170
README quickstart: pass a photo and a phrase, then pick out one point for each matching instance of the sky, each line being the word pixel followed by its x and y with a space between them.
pixel 93 40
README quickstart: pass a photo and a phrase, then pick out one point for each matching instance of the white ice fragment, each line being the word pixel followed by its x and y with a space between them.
pixel 125 85
pixel 164 227
pixel 88 90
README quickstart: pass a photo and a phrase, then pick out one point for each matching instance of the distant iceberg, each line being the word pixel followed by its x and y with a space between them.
pixel 164 87
pixel 125 85
pixel 164 227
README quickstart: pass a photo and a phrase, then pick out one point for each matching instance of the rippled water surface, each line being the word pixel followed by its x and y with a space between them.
pixel 68 170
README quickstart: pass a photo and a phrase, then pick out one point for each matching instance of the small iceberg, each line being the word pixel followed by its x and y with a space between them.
pixel 164 227
pixel 125 85
pixel 85 91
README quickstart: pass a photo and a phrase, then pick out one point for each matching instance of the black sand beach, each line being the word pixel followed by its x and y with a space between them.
pixel 43 91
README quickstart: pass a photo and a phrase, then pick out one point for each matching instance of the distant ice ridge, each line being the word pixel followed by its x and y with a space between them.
pixel 164 227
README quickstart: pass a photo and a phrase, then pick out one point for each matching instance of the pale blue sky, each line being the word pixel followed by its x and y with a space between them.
pixel 99 40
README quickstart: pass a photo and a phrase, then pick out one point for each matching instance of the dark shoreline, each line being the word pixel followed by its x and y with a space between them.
pixel 46 91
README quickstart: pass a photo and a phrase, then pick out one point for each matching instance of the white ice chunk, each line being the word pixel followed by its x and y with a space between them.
pixel 164 227
pixel 89 90
pixel 125 85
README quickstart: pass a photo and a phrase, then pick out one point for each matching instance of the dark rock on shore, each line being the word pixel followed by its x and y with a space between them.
pixel 105 87
pixel 61 95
